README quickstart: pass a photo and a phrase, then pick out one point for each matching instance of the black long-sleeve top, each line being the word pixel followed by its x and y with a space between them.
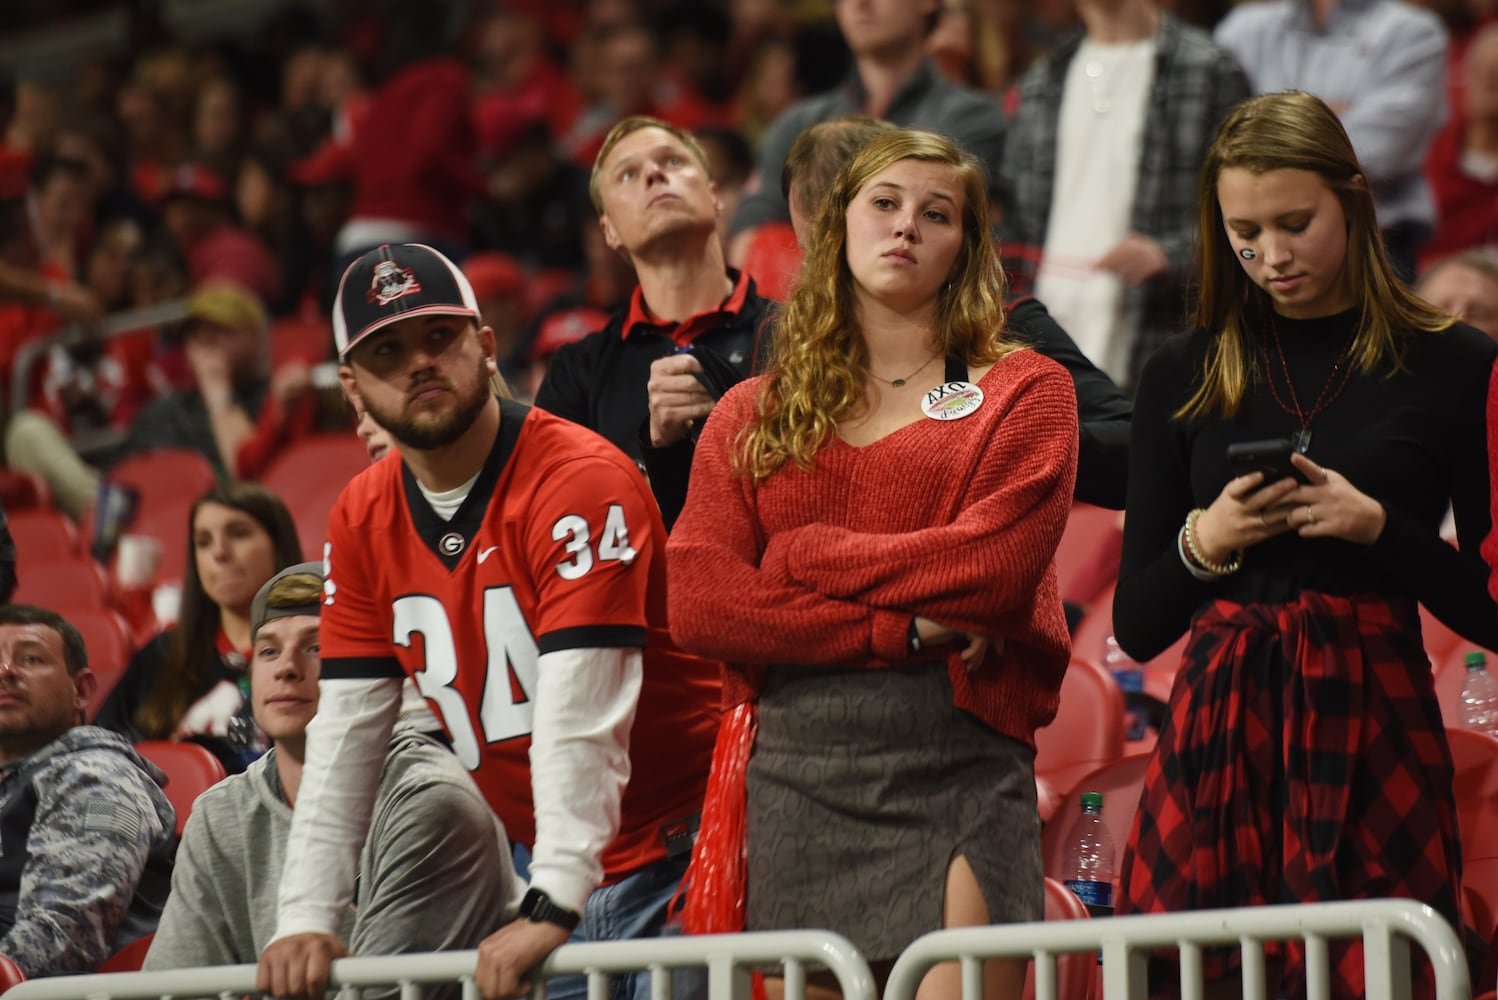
pixel 1414 440
pixel 1103 411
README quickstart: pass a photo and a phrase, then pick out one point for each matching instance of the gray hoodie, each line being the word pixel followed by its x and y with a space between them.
pixel 435 872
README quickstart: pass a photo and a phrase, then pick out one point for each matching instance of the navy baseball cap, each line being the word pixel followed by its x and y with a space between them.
pixel 394 282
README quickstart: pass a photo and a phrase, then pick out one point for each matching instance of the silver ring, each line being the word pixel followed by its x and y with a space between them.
pixel 1310 515
pixel 1262 522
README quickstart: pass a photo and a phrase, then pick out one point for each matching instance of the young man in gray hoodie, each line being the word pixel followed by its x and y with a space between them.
pixel 435 873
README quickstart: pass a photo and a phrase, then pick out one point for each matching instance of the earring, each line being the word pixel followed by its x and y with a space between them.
pixel 1247 253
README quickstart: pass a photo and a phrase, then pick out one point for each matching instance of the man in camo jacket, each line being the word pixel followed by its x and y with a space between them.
pixel 86 835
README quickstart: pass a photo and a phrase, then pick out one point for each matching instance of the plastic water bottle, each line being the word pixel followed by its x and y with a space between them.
pixel 1089 857
pixel 1479 696
pixel 1129 676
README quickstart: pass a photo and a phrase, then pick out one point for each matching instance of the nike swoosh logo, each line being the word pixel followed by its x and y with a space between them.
pixel 485 553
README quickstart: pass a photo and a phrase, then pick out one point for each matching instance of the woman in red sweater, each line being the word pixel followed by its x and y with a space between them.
pixel 868 541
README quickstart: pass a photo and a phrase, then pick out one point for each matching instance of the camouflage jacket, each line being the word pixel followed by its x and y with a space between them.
pixel 86 841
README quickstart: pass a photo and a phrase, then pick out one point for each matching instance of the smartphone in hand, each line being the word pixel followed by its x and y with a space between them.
pixel 1270 457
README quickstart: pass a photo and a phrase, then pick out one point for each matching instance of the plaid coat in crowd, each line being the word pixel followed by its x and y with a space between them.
pixel 1196 84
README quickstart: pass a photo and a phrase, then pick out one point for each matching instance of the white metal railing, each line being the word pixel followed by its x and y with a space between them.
pixel 728 958
pixel 1387 926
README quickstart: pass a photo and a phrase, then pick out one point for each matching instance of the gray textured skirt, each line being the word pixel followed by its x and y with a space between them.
pixel 864 785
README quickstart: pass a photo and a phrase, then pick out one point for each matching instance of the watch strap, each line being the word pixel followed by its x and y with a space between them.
pixel 540 908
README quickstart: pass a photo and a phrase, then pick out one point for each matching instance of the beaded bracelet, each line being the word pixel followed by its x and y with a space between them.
pixel 1234 563
pixel 1191 567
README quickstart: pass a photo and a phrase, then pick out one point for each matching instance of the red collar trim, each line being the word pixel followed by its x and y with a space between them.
pixel 688 330
pixel 238 658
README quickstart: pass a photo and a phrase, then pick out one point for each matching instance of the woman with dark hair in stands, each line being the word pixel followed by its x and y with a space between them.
pixel 1304 756
pixel 186 683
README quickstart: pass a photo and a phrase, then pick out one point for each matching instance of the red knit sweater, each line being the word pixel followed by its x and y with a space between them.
pixel 957 521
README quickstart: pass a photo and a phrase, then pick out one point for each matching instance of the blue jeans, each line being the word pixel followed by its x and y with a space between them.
pixel 633 907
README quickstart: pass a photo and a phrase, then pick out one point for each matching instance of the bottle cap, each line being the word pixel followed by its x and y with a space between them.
pixel 1474 659
pixel 1093 800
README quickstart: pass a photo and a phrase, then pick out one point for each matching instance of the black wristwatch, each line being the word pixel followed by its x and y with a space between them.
pixel 539 908
pixel 913 638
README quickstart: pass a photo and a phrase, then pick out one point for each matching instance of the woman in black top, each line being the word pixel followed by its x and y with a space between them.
pixel 190 681
pixel 1303 757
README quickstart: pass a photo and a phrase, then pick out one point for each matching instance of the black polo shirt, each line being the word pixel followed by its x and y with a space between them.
pixel 600 381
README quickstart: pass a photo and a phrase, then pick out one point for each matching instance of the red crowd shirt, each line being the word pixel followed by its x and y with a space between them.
pixel 1466 206
pixel 413 154
pixel 558 546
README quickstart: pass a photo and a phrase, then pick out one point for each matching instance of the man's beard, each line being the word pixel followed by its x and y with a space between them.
pixel 427 435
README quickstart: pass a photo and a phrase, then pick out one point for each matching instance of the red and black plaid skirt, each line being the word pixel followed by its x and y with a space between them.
pixel 1303 759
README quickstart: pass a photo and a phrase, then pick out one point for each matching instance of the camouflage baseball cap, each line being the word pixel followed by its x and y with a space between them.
pixel 260 613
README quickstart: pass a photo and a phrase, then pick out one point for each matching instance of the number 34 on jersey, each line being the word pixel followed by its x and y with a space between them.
pixel 509 653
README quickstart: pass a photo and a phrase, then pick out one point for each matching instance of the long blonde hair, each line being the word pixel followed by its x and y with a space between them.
pixel 817 354
pixel 1292 130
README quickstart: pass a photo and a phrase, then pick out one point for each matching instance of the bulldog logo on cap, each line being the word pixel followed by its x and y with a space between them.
pixel 391 282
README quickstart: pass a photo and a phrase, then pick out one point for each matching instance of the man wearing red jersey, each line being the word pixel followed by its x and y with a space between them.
pixel 512 564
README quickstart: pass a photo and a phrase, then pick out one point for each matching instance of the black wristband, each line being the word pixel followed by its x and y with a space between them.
pixel 538 908
pixel 913 638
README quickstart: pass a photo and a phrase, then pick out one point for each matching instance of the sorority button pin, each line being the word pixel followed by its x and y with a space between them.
pixel 952 401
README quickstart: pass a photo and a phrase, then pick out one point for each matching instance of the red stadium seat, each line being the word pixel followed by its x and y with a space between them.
pixel 773 260
pixel 23 490
pixel 1075 973
pixel 1088 730
pixel 1087 559
pixel 1120 783
pixel 106 634
pixel 168 482
pixel 1475 756
pixel 190 771
pixel 1091 642
pixel 10 973
pixel 65 582
pixel 129 958
pixel 309 475
pixel 40 534
pixel 301 340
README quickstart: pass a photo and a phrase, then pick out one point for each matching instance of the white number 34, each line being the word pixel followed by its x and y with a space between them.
pixel 612 545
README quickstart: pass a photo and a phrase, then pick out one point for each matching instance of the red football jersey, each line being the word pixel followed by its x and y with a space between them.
pixel 558 546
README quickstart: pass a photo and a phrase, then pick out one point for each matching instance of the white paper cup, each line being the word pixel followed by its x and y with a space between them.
pixel 137 560
pixel 166 602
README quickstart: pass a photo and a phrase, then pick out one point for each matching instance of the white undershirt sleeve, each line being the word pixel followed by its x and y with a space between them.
pixel 346 746
pixel 585 708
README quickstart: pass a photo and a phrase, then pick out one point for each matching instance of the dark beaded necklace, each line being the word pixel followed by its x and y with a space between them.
pixel 1335 382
